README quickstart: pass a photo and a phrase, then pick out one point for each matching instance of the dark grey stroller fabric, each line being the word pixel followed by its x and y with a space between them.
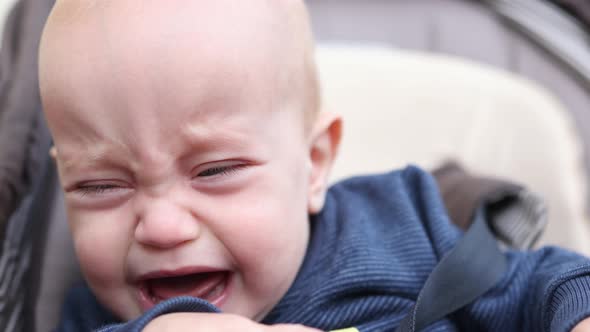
pixel 578 8
pixel 27 176
pixel 20 106
pixel 25 235
pixel 516 215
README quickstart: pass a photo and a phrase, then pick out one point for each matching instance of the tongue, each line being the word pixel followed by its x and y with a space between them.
pixel 195 285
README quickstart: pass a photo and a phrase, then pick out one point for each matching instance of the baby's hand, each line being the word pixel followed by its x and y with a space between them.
pixel 207 322
pixel 584 326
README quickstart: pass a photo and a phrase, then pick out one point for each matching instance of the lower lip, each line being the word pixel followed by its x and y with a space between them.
pixel 146 303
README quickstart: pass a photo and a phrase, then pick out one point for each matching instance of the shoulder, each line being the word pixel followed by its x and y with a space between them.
pixel 408 179
pixel 402 206
pixel 410 188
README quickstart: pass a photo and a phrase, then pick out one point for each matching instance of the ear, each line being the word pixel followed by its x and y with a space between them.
pixel 325 139
pixel 53 152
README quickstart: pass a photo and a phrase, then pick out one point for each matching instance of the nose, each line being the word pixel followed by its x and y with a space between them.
pixel 164 224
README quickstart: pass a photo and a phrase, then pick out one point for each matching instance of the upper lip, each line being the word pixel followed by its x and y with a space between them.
pixel 182 271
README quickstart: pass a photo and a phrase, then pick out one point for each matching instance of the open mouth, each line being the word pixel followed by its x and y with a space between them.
pixel 209 286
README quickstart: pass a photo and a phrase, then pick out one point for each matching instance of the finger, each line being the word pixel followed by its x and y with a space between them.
pixel 206 322
pixel 292 328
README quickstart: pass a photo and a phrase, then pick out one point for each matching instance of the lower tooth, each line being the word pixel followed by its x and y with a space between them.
pixel 215 291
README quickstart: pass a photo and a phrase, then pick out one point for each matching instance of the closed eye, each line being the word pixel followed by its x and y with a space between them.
pixel 96 189
pixel 221 170
pixel 99 194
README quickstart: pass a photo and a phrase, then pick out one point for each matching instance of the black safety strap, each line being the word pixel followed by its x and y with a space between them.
pixel 466 272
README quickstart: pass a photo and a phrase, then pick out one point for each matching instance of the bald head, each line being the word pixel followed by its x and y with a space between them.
pixel 155 54
pixel 181 140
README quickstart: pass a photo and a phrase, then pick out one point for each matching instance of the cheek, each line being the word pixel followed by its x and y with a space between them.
pixel 269 227
pixel 276 227
pixel 101 243
pixel 268 248
pixel 102 240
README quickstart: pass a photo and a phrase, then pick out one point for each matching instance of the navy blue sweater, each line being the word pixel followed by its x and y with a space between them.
pixel 371 250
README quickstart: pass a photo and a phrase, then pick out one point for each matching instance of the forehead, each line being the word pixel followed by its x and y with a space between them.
pixel 134 48
pixel 137 66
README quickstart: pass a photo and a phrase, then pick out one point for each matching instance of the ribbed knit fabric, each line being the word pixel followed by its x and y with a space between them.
pixel 183 303
pixel 371 250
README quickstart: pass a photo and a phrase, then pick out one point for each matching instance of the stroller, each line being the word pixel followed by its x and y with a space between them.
pixel 544 41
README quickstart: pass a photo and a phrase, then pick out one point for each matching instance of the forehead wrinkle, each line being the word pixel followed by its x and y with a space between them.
pixel 81 144
pixel 204 138
pixel 90 157
pixel 141 164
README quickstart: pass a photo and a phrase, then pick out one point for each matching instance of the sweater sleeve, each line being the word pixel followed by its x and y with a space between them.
pixel 82 312
pixel 546 290
pixel 178 304
pixel 559 290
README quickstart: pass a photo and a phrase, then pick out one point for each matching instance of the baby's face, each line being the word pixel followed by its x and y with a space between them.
pixel 183 158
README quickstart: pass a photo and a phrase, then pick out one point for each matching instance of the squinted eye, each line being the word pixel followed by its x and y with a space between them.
pixel 99 194
pixel 96 189
pixel 220 170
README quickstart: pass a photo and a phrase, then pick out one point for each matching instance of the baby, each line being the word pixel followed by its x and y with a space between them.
pixel 194 162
